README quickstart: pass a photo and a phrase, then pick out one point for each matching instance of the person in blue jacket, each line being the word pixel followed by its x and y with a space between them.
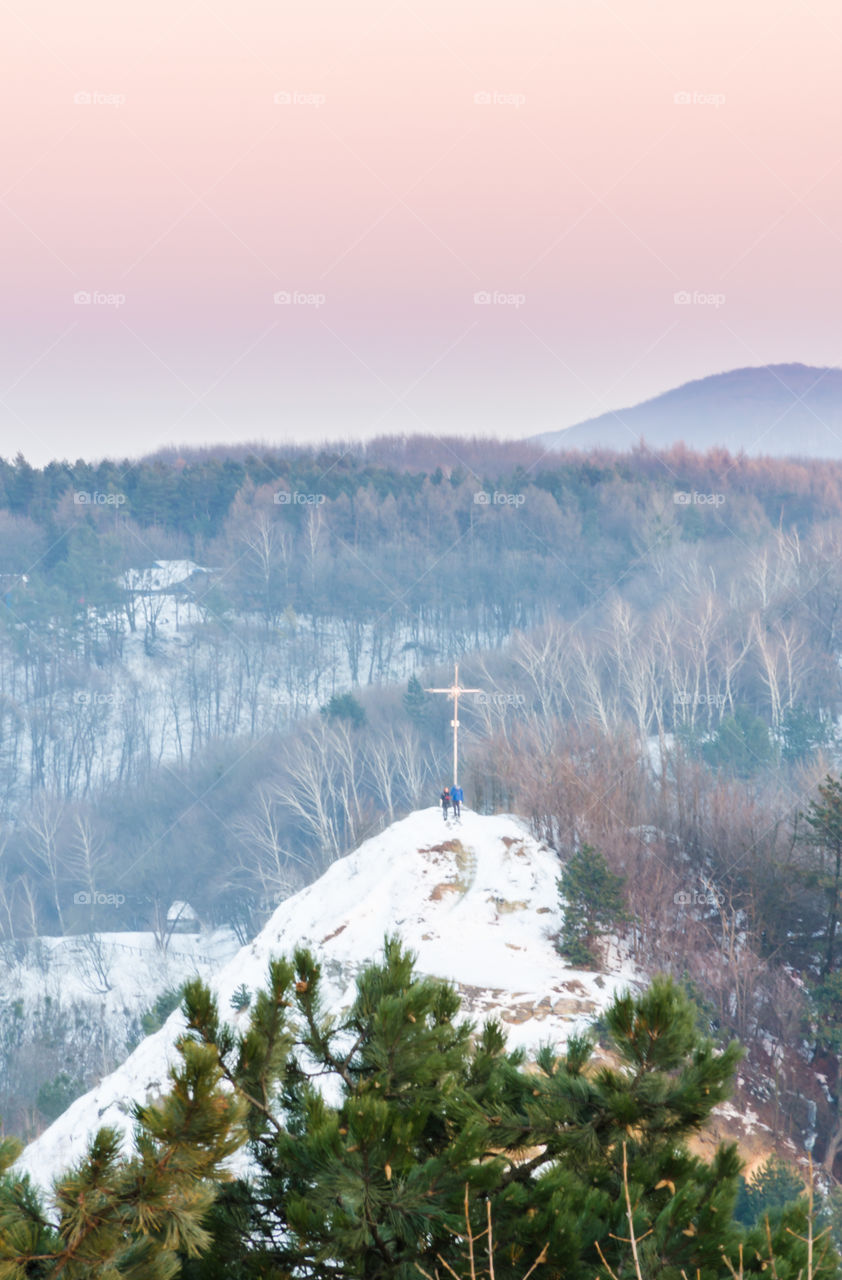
pixel 456 796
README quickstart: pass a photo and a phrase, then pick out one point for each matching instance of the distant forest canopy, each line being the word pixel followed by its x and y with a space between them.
pixel 662 594
pixel 487 535
pixel 683 590
pixel 191 492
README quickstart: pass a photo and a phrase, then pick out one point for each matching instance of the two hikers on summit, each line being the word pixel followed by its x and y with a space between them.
pixel 452 796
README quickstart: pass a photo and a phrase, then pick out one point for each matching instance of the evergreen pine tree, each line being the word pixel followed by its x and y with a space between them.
pixel 803 733
pixel 365 1179
pixel 824 816
pixel 600 1129
pixel 356 1187
pixel 773 1187
pixel 344 706
pixel 370 1135
pixel 416 702
pixel 591 903
pixel 741 745
pixel 131 1218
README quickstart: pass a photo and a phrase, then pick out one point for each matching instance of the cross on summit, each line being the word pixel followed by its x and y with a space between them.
pixel 455 692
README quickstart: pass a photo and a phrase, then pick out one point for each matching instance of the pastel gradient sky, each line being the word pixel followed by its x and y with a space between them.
pixel 420 154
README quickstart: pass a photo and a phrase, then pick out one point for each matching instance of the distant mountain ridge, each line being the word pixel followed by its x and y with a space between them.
pixel 779 410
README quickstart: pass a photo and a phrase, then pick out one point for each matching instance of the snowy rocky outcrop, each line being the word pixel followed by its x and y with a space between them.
pixel 476 901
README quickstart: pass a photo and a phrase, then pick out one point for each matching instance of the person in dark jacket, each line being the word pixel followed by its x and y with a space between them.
pixel 445 802
pixel 456 800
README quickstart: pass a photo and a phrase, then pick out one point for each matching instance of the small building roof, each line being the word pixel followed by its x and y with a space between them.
pixel 181 911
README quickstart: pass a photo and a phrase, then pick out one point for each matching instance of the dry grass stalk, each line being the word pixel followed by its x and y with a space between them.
pixel 473 1241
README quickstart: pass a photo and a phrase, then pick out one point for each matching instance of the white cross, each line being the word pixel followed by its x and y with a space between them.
pixel 455 691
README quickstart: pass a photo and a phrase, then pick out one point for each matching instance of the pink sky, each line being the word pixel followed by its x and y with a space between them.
pixel 582 196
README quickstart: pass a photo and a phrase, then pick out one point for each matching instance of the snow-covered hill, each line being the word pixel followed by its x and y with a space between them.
pixel 476 901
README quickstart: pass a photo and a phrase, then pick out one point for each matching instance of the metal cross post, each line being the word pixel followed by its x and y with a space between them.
pixel 455 691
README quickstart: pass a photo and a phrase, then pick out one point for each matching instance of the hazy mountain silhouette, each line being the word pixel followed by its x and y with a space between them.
pixel 779 409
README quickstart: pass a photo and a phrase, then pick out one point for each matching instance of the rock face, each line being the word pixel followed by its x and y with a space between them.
pixel 782 410
pixel 476 901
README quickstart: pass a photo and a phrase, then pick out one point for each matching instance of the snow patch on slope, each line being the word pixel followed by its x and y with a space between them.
pixel 119 972
pixel 476 901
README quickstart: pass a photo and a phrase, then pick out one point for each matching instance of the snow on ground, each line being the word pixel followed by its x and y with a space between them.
pixel 119 972
pixel 186 677
pixel 163 575
pixel 745 1117
pixel 476 901
pixel 655 746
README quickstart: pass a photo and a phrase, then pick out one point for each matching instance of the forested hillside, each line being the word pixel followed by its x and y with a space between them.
pixel 212 673
pixel 177 642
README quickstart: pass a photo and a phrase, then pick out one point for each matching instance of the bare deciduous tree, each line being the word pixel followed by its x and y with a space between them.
pixel 41 830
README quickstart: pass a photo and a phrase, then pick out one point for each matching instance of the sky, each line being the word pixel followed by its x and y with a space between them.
pixel 236 221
